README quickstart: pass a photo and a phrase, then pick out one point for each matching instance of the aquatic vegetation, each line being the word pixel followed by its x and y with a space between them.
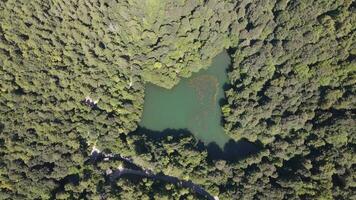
pixel 193 105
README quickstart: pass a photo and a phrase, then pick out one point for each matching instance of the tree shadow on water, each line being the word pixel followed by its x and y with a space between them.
pixel 174 135
pixel 157 135
pixel 233 151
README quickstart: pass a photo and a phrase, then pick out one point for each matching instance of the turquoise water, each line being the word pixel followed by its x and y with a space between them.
pixel 193 104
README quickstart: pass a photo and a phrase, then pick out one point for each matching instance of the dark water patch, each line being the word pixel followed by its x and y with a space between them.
pixel 159 135
pixel 233 151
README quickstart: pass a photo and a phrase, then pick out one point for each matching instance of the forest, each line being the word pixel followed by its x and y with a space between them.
pixel 72 87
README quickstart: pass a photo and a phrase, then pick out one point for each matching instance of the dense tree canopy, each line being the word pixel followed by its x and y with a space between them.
pixel 72 77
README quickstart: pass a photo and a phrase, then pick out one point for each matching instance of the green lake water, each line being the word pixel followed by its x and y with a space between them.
pixel 193 104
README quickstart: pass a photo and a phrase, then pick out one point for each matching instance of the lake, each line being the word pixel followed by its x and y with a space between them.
pixel 192 105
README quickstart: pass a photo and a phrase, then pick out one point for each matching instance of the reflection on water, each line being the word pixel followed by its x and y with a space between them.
pixel 193 104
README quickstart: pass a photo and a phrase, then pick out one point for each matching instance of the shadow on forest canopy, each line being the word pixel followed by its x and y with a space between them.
pixel 232 151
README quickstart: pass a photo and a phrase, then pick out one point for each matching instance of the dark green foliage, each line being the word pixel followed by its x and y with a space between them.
pixel 165 37
pixel 279 80
pixel 72 77
pixel 47 71
pixel 292 90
